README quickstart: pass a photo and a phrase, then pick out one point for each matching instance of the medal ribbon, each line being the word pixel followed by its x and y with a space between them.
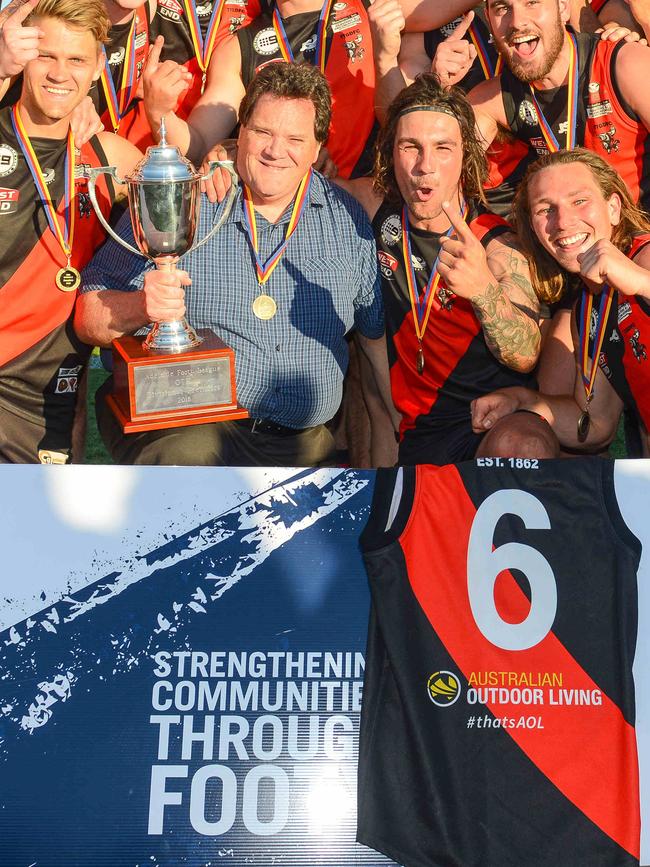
pixel 321 36
pixel 265 269
pixel 421 309
pixel 64 236
pixel 118 105
pixel 483 54
pixel 606 298
pixel 573 92
pixel 203 48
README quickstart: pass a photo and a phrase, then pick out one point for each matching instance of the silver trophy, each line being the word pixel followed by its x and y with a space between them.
pixel 164 201
pixel 163 380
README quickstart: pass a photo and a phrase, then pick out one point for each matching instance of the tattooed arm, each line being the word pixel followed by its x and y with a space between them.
pixel 497 283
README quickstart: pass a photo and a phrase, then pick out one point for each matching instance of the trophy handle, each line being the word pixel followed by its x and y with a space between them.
pixel 92 174
pixel 228 165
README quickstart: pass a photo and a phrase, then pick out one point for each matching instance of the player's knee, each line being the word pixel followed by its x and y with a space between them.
pixel 520 435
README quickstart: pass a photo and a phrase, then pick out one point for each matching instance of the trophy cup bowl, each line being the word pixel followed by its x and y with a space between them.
pixel 164 379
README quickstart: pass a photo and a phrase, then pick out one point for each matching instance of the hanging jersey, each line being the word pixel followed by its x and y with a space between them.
pixel 349 70
pixel 605 124
pixel 171 22
pixel 626 346
pixel 458 366
pixel 498 716
pixel 40 357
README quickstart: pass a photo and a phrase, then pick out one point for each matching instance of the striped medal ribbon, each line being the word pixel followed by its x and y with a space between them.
pixel 203 48
pixel 589 364
pixel 552 143
pixel 118 104
pixel 483 54
pixel 321 36
pixel 67 278
pixel 421 308
pixel 264 306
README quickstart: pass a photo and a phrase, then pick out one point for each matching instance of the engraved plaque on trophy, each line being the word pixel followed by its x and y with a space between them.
pixel 174 376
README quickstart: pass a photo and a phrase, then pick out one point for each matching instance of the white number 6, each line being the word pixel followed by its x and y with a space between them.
pixel 484 565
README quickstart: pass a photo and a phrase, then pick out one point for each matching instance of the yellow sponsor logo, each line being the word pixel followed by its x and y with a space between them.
pixel 443 688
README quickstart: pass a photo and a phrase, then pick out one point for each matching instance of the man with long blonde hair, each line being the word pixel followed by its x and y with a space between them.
pixel 577 221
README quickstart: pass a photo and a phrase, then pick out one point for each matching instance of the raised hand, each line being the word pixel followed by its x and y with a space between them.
pixel 454 56
pixel 462 263
pixel 487 410
pixel 85 122
pixel 163 83
pixel 386 24
pixel 18 44
pixel 604 263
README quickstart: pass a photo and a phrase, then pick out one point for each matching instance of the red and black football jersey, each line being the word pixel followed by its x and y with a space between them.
pixel 625 353
pixel 41 359
pixel 605 123
pixel 498 721
pixel 171 22
pixel 458 363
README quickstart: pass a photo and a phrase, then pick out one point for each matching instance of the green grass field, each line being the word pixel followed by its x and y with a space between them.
pixel 97 454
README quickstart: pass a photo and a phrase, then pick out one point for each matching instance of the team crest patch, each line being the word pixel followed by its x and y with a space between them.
pixel 594 87
pixel 266 42
pixel 391 230
pixel 443 688
pixel 8 160
pixel 8 200
pixel 116 57
pixel 528 113
pixel 67 379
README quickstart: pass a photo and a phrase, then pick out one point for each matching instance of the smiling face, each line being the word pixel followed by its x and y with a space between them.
pixel 528 34
pixel 569 213
pixel 276 148
pixel 55 83
pixel 427 161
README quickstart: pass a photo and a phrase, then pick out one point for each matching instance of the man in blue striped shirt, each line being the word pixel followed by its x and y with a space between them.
pixel 294 247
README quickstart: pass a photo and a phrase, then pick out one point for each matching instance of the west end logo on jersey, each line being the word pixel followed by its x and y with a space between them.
pixel 8 200
pixel 266 42
pixel 540 145
pixel 443 688
pixel 528 112
pixel 170 9
pixel 387 264
pixel 391 230
pixel 8 160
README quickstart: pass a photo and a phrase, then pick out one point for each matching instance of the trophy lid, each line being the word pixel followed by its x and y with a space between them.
pixel 163 163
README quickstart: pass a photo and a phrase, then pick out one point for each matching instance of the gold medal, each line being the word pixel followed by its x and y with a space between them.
pixel 264 307
pixel 68 279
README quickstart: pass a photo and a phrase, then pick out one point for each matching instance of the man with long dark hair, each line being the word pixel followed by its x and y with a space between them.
pixel 461 314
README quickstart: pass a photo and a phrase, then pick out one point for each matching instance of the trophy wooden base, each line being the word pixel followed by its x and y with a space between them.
pixel 154 391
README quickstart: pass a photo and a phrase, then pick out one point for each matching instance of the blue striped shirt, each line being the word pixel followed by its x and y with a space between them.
pixel 289 369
